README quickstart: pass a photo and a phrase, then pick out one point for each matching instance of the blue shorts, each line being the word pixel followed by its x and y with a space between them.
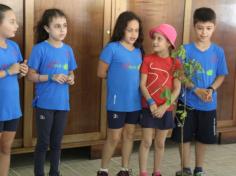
pixel 9 125
pixel 199 125
pixel 164 123
pixel 119 119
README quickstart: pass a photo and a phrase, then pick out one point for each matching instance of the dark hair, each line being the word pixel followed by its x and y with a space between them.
pixel 120 26
pixel 47 17
pixel 204 14
pixel 3 9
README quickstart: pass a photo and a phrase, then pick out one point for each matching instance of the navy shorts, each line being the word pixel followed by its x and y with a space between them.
pixel 148 121
pixel 199 125
pixel 119 119
pixel 10 125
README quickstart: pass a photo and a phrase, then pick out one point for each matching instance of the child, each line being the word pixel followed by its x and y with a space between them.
pixel 51 67
pixel 10 69
pixel 201 96
pixel 157 76
pixel 119 63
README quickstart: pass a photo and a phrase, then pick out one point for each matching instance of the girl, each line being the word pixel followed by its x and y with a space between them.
pixel 10 69
pixel 51 67
pixel 156 78
pixel 119 62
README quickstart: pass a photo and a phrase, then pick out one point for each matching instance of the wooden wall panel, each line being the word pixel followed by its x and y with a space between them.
pixel 85 35
pixel 17 6
pixel 225 36
pixel 155 12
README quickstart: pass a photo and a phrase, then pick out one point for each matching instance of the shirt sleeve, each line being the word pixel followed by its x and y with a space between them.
pixel 72 61
pixel 35 58
pixel 221 65
pixel 107 54
pixel 145 66
pixel 18 52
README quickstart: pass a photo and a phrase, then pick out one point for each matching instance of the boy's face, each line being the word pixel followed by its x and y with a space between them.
pixel 204 31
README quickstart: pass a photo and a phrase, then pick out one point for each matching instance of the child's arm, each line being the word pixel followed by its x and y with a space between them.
pixel 217 83
pixel 147 96
pixel 36 77
pixel 174 95
pixel 102 69
pixel 12 70
pixel 71 78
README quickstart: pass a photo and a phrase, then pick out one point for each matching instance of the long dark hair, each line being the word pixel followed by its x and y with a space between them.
pixel 120 26
pixel 3 9
pixel 47 17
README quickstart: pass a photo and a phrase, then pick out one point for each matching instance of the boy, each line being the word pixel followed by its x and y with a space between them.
pixel 201 97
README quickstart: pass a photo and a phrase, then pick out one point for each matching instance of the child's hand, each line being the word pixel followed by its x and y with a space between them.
pixel 153 109
pixel 161 110
pixel 60 78
pixel 24 68
pixel 209 96
pixel 14 69
pixel 71 80
pixel 203 94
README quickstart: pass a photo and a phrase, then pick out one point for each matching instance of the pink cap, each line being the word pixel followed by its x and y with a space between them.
pixel 167 30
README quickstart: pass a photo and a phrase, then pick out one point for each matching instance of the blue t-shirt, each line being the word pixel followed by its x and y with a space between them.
pixel 123 77
pixel 9 87
pixel 214 64
pixel 46 59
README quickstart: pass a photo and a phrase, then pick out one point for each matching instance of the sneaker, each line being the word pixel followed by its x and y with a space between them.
pixel 102 173
pixel 125 173
pixel 199 174
pixel 185 173
pixel 156 174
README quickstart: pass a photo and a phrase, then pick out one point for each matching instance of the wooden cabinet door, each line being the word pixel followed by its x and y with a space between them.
pixel 86 36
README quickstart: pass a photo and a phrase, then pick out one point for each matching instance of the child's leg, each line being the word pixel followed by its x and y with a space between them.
pixel 6 140
pixel 147 135
pixel 44 120
pixel 186 154
pixel 200 154
pixel 159 142
pixel 127 143
pixel 59 123
pixel 113 138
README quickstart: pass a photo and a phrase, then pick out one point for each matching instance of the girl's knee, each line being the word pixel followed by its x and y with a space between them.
pixel 147 143
pixel 5 148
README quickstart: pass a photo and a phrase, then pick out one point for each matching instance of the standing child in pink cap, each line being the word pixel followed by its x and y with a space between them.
pixel 157 77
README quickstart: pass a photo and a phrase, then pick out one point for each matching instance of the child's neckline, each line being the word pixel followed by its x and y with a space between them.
pixel 4 48
pixel 206 49
pixel 62 44
pixel 130 50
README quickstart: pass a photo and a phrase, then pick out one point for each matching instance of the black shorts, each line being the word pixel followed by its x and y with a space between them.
pixel 119 119
pixel 148 121
pixel 9 125
pixel 199 125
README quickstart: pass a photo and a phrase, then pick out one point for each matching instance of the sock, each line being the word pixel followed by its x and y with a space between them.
pixel 156 173
pixel 103 170
pixel 143 173
pixel 198 169
pixel 124 169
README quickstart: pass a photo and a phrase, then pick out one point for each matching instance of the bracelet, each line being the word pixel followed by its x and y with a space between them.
pixel 39 78
pixel 150 101
pixel 50 77
pixel 7 73
pixel 210 87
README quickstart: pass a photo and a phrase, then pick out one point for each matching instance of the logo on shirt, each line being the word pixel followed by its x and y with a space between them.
pixel 3 67
pixel 131 67
pixel 56 64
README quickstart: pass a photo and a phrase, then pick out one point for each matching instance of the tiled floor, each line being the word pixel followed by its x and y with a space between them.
pixel 220 161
